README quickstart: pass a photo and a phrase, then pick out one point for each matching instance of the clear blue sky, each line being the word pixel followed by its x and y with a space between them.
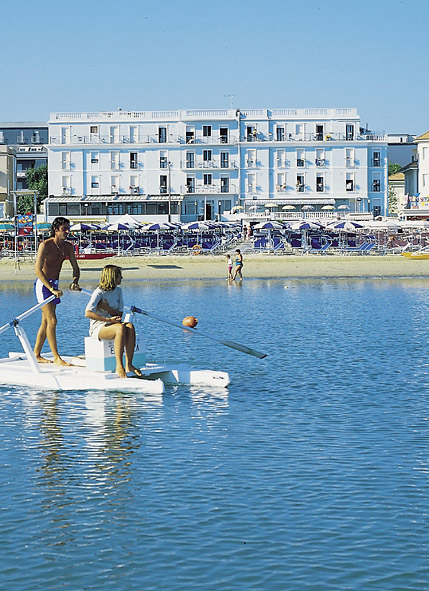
pixel 90 55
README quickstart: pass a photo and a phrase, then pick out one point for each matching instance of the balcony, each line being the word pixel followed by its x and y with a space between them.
pixel 300 162
pixel 320 162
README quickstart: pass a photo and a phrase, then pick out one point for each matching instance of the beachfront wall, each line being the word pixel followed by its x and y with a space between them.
pixel 199 163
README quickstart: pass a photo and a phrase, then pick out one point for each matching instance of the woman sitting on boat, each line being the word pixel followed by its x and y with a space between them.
pixel 105 310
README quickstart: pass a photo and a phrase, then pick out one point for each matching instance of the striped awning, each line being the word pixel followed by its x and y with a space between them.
pixel 280 202
pixel 112 198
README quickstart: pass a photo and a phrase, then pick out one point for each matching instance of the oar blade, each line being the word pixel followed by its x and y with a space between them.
pixel 244 349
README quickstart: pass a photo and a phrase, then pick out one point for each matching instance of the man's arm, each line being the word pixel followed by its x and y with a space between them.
pixel 76 271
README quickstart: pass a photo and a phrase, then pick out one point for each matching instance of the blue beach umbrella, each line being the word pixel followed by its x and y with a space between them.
pixel 346 226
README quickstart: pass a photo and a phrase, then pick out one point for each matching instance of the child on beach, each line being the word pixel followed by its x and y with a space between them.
pixel 229 263
pixel 104 310
pixel 238 265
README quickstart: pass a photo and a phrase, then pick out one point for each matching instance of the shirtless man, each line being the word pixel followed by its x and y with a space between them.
pixel 50 257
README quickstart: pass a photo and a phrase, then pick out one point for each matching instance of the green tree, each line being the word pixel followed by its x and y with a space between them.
pixel 37 180
pixel 393 168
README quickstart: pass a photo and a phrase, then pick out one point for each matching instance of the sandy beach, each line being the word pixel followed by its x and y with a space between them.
pixel 214 267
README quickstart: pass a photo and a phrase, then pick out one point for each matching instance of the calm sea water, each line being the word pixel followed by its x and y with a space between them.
pixel 310 472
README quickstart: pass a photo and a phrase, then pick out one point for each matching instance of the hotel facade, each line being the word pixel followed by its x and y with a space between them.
pixel 188 164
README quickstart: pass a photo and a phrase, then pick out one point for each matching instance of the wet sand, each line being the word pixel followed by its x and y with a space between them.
pixel 214 267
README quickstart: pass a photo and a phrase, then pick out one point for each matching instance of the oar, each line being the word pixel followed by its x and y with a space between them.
pixel 198 332
pixel 28 312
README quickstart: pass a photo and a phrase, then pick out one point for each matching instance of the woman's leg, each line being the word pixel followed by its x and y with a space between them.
pixel 130 344
pixel 116 332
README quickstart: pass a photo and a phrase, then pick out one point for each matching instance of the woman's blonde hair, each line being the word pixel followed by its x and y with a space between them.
pixel 109 277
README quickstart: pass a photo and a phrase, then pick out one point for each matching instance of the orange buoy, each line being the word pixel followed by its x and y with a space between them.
pixel 190 321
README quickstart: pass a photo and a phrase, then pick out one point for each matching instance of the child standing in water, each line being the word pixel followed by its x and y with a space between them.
pixel 238 265
pixel 229 263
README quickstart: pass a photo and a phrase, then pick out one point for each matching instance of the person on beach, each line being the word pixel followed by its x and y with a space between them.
pixel 238 265
pixel 229 263
pixel 104 311
pixel 50 257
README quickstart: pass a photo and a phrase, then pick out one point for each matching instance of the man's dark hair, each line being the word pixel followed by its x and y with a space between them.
pixel 57 223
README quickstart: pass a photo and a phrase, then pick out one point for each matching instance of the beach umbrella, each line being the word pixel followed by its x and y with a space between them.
pixel 271 205
pixel 343 207
pixel 288 207
pixel 129 221
pixel 268 226
pixel 196 226
pixel 155 227
pixel 44 226
pixel 327 207
pixel 7 227
pixel 81 227
pixel 116 226
pixel 346 226
pixel 307 207
pixel 305 225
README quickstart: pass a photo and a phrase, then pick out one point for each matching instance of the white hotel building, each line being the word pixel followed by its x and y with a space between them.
pixel 185 164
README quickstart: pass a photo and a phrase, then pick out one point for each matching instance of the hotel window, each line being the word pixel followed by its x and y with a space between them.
pixel 251 183
pixel 93 129
pixel 281 158
pixel 224 159
pixel 320 157
pixel 207 130
pixel 280 133
pixel 319 133
pixel 207 155
pixel 376 184
pixel 65 160
pixel 114 184
pixel 224 184
pixel 162 135
pixel 376 159
pixel 251 158
pixel 350 131
pixel 300 131
pixel 281 182
pixel 300 183
pixel 133 134
pixel 114 160
pixel 114 134
pixel 300 157
pixel 95 158
pixel 190 160
pixel 223 133
pixel 163 183
pixel 95 182
pixel 133 160
pixel 190 134
pixel 134 185
pixel 350 157
pixel 65 135
pixel 163 160
pixel 320 184
pixel 190 184
pixel 65 185
pixel 350 182
pixel 208 179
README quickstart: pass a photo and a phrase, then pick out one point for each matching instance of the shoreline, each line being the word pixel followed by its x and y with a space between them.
pixel 255 267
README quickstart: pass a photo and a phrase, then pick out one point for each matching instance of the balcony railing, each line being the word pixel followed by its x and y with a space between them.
pixel 142 139
pixel 215 140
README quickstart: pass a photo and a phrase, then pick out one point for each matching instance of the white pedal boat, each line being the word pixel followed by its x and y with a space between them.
pixel 18 370
pixel 95 370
